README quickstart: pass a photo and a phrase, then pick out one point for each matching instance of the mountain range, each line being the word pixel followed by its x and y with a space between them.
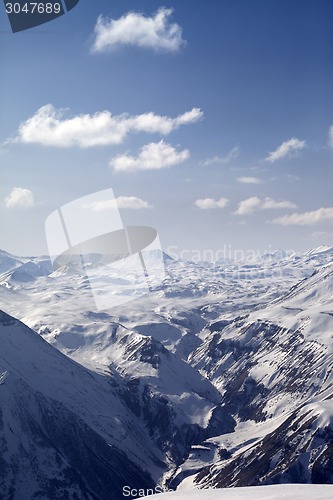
pixel 220 377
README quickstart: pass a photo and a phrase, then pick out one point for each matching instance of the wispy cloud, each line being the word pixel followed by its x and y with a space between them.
pixel 233 153
pixel 153 156
pixel 210 203
pixel 49 127
pixel 20 198
pixel 250 205
pixel 156 32
pixel 293 178
pixel 286 149
pixel 330 137
pixel 249 180
pixel 122 202
pixel 270 204
pixel 306 218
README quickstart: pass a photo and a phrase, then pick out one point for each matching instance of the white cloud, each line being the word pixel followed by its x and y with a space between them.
pixel 270 204
pixel 131 202
pixel 249 180
pixel 20 198
pixel 49 127
pixel 209 203
pixel 287 148
pixel 156 32
pixel 248 206
pixel 153 156
pixel 330 137
pixel 254 203
pixel 234 153
pixel 306 218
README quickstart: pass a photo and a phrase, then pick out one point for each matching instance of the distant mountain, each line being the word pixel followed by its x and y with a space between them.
pixel 8 262
pixel 16 270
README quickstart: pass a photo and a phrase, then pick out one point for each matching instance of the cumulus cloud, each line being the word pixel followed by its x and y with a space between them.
pixel 20 198
pixel 210 203
pixel 233 153
pixel 49 127
pixel 249 180
pixel 286 149
pixel 156 32
pixel 306 218
pixel 250 205
pixel 131 202
pixel 153 156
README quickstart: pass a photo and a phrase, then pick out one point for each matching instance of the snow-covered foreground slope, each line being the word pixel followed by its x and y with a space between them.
pixel 279 492
pixel 63 430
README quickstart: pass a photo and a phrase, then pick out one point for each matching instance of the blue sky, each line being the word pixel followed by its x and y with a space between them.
pixel 211 121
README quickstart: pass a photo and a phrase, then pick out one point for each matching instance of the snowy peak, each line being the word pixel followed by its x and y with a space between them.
pixel 20 270
pixel 8 262
pixel 323 249
pixel 316 290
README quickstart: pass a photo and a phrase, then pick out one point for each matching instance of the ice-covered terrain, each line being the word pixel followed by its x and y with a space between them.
pixel 221 376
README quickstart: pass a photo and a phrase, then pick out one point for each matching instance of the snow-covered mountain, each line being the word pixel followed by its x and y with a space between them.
pixel 63 430
pixel 274 370
pixel 299 449
pixel 22 269
pixel 221 376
